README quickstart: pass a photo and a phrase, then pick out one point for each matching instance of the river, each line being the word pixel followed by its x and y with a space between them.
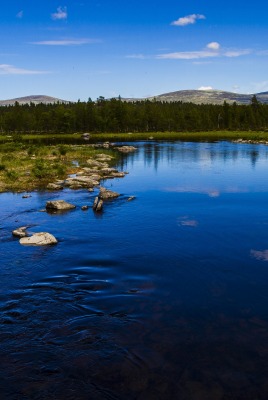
pixel 162 297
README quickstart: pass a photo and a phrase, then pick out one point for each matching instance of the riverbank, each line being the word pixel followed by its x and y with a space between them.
pixel 24 168
pixel 31 161
pixel 133 136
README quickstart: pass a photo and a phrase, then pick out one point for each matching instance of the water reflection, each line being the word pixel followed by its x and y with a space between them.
pixel 154 153
pixel 161 298
pixel 260 255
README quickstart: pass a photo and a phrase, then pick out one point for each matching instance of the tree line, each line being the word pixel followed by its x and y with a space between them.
pixel 116 115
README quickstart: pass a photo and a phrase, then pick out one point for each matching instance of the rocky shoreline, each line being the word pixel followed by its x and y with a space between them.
pixel 89 178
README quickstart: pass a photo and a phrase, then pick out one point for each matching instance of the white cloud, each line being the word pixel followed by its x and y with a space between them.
pixel 205 88
pixel 187 55
pixel 213 46
pixel 60 14
pixel 6 69
pixel 236 53
pixel 20 14
pixel 212 49
pixel 188 20
pixel 66 42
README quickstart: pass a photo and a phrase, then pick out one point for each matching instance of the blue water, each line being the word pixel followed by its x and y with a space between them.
pixel 163 297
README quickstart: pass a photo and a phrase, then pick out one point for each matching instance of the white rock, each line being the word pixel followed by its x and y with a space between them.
pixel 39 239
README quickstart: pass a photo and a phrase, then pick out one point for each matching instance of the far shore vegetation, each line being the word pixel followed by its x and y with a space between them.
pixel 43 143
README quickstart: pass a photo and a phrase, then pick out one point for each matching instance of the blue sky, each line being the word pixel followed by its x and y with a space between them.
pixel 88 48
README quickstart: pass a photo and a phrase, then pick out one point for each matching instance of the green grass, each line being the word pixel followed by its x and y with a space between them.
pixel 210 136
pixel 26 167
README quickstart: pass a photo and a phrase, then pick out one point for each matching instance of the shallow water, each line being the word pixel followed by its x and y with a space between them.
pixel 163 297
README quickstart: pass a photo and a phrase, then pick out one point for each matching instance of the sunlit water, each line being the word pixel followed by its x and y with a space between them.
pixel 163 297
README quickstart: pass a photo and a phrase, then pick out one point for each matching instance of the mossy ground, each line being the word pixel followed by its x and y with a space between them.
pixel 27 167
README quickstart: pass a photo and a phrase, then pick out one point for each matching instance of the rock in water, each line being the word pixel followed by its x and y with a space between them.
pixel 20 232
pixel 126 149
pixel 98 204
pixel 54 186
pixel 59 205
pixel 106 194
pixel 39 239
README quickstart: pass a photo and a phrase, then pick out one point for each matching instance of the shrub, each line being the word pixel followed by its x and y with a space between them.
pixel 12 175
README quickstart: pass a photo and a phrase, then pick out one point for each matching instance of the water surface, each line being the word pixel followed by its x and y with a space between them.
pixel 163 297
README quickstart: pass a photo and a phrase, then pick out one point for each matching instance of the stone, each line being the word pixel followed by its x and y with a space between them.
pixel 98 204
pixel 84 208
pixel 106 194
pixel 104 157
pixel 39 239
pixel 59 205
pixel 126 149
pixel 20 232
pixel 26 196
pixel 131 198
pixel 54 186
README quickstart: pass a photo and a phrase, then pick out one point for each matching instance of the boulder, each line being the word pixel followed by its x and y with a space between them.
pixel 98 204
pixel 20 232
pixel 126 149
pixel 59 205
pixel 39 239
pixel 131 198
pixel 54 186
pixel 84 208
pixel 106 194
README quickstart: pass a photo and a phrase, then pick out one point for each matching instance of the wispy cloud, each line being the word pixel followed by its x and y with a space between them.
pixel 20 14
pixel 212 50
pixel 61 14
pixel 137 56
pixel 188 20
pixel 237 53
pixel 6 69
pixel 187 55
pixel 66 42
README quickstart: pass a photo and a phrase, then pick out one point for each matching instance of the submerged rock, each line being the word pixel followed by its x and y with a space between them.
pixel 59 205
pixel 20 232
pixel 84 208
pixel 106 194
pixel 131 198
pixel 39 239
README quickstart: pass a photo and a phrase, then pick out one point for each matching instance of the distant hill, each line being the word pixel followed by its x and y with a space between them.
pixel 186 96
pixel 207 97
pixel 37 99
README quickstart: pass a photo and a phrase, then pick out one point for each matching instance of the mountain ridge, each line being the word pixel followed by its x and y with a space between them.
pixel 36 99
pixel 185 96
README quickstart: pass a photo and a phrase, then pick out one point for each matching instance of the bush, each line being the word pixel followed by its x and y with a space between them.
pixel 12 175
pixel 2 167
pixel 62 150
pixel 41 169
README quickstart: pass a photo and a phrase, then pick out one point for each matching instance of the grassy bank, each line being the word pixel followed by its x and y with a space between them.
pixel 202 136
pixel 26 168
